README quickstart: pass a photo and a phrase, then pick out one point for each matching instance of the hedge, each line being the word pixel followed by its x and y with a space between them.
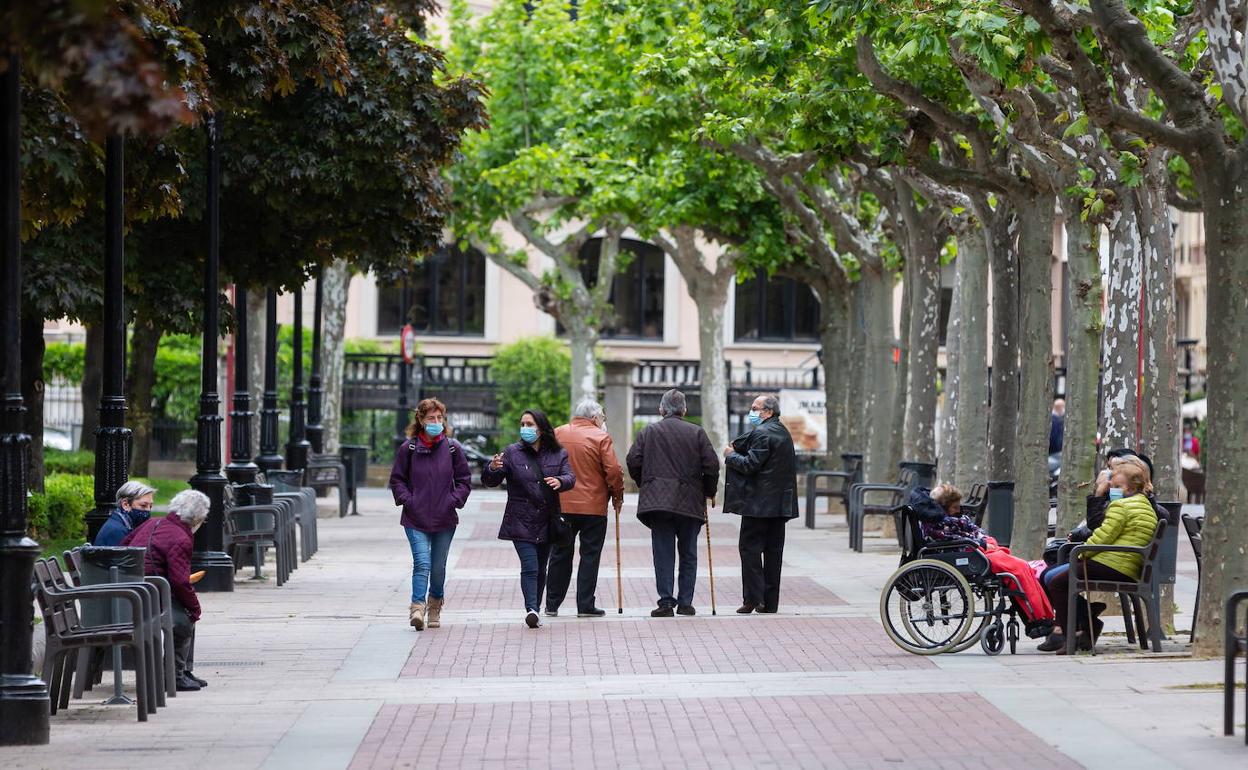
pixel 531 373
pixel 60 512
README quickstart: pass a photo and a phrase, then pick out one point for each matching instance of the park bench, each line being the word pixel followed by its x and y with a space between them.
pixel 1192 525
pixel 261 524
pixel 887 499
pixel 90 668
pixel 1147 589
pixel 286 487
pixel 355 459
pixel 325 472
pixel 67 636
pixel 830 484
pixel 1236 643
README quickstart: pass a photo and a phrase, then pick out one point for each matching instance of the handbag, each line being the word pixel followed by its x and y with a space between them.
pixel 559 529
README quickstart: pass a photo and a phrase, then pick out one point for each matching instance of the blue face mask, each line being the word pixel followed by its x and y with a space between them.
pixel 528 434
pixel 433 429
pixel 1115 494
pixel 754 417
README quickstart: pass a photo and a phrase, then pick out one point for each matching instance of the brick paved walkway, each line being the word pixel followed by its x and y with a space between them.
pixel 325 673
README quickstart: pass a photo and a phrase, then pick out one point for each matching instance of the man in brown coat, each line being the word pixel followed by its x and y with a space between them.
pixel 598 478
pixel 677 470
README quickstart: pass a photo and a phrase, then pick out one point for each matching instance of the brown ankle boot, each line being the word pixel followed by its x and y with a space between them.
pixel 416 615
pixel 435 612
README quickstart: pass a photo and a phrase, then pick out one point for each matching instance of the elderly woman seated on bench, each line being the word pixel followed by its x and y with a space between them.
pixel 1129 520
pixel 940 517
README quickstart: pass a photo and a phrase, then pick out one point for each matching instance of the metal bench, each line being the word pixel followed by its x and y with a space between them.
pixel 830 484
pixel 1235 645
pixel 328 471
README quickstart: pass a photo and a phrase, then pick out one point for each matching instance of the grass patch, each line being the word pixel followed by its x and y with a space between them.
pixel 58 546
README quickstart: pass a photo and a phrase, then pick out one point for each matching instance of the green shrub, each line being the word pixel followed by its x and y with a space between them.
pixel 64 360
pixel 175 392
pixel 532 373
pixel 60 512
pixel 81 462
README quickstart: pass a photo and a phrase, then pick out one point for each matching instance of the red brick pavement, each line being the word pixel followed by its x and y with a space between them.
pixel 678 645
pixel 823 731
pixel 722 528
pixel 504 557
pixel 638 592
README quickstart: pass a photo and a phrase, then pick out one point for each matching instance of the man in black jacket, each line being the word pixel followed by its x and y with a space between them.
pixel 761 468
pixel 676 470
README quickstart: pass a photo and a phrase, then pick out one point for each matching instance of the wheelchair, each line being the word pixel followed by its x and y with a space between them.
pixel 944 596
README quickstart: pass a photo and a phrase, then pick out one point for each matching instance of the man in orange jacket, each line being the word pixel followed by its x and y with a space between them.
pixel 599 477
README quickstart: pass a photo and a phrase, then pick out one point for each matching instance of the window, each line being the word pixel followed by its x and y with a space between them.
pixel 637 295
pixel 772 309
pixel 446 297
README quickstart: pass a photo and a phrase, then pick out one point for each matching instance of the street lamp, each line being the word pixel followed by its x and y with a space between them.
pixel 23 698
pixel 241 469
pixel 269 459
pixel 297 447
pixel 316 430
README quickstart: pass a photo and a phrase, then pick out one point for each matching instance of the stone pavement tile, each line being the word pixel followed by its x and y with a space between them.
pixel 503 593
pixel 726 527
pixel 658 646
pixel 503 556
pixel 914 731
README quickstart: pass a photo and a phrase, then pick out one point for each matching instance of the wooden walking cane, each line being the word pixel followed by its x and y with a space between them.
pixel 619 569
pixel 710 563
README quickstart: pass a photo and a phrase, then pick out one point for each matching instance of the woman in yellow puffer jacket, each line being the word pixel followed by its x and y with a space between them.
pixel 1129 520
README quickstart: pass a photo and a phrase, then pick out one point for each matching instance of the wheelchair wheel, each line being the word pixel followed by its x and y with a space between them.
pixel 993 639
pixel 1011 633
pixel 972 636
pixel 927 607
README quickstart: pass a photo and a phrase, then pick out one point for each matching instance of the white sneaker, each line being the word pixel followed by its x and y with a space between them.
pixel 532 620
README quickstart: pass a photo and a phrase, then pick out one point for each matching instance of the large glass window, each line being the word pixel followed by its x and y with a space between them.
pixel 772 309
pixel 445 297
pixel 636 295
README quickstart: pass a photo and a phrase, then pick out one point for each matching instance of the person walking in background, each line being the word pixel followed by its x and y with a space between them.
pixel 675 468
pixel 599 478
pixel 134 506
pixel 169 541
pixel 1057 426
pixel 761 474
pixel 536 469
pixel 430 481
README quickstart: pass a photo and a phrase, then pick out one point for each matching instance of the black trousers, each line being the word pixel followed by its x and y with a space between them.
pixel 762 551
pixel 592 532
pixel 183 640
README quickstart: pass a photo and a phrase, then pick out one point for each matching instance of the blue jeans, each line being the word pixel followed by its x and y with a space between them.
pixel 429 551
pixel 533 560
pixel 672 534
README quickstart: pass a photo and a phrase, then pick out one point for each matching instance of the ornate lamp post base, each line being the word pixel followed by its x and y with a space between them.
pixel 217 565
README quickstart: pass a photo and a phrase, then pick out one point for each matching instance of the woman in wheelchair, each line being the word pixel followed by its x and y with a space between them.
pixel 1129 520
pixel 940 517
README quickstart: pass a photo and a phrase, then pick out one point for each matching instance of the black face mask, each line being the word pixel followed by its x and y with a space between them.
pixel 136 516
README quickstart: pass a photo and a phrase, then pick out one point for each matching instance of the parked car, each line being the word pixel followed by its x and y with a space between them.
pixel 54 438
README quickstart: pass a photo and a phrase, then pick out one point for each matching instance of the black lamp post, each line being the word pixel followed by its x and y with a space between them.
pixel 297 447
pixel 23 698
pixel 209 554
pixel 400 415
pixel 269 459
pixel 1187 343
pixel 315 430
pixel 112 437
pixel 241 469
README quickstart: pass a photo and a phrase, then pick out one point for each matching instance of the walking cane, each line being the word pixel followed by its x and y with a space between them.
pixel 710 563
pixel 619 574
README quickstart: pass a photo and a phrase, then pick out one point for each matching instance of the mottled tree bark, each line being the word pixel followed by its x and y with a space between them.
pixel 335 281
pixel 1083 279
pixel 1031 490
pixel 947 451
pixel 140 379
pixel 879 375
pixel 1121 340
pixel 920 325
pixel 856 395
pixel 92 381
pixel 901 374
pixel 839 370
pixel 1003 412
pixel 971 292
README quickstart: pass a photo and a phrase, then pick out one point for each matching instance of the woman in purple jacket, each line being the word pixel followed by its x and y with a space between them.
pixel 536 469
pixel 431 481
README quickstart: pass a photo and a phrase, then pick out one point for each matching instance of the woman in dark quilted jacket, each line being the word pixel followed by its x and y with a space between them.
pixel 536 469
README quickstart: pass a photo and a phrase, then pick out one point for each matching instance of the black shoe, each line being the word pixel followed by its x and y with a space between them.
pixel 1054 643
pixel 686 609
pixel 766 610
pixel 552 613
pixel 187 684
pixel 198 681
pixel 590 613
pixel 746 609
pixel 662 611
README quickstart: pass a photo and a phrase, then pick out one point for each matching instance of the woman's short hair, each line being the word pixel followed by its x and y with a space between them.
pixel 133 490
pixel 425 408
pixel 1136 473
pixel 191 506
pixel 946 496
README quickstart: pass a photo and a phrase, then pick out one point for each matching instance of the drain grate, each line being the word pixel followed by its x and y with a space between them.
pixel 228 663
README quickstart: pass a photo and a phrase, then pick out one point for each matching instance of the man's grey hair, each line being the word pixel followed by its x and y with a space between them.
pixel 191 506
pixel 772 404
pixel 133 490
pixel 673 403
pixel 589 409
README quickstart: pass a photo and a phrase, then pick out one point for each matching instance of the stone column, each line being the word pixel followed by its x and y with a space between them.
pixel 618 387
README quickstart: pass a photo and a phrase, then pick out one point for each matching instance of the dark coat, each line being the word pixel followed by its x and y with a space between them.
pixel 762 473
pixel 530 503
pixel 168 541
pixel 431 483
pixel 675 468
pixel 118 525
